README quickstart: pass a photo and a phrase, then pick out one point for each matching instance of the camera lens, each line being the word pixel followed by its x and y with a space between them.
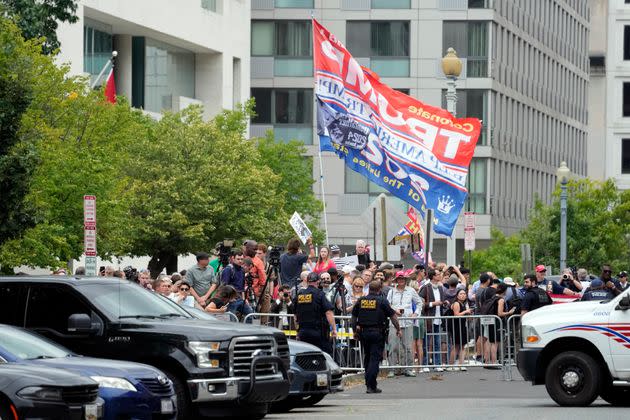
pixel 285 294
pixel 565 276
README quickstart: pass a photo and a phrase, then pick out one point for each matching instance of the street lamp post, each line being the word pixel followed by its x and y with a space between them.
pixel 452 68
pixel 563 173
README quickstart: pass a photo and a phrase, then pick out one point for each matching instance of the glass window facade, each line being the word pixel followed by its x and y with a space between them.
pixel 97 48
pixel 169 73
pixel 290 111
pixel 476 184
pixel 286 40
pixel 470 40
pixel 385 43
pixel 626 99
pixel 209 5
pixel 625 156
pixel 391 4
pixel 296 4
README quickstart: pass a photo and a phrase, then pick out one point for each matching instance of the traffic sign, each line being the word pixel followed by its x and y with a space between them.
pixel 89 210
pixel 469 231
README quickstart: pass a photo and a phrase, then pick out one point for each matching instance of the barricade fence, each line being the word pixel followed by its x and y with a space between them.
pixel 427 343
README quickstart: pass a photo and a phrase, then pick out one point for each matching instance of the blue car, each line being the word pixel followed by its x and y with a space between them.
pixel 130 390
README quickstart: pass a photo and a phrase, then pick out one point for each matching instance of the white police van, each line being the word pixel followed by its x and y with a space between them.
pixel 579 351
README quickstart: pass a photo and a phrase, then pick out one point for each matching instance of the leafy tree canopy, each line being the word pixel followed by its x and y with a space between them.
pixel 40 18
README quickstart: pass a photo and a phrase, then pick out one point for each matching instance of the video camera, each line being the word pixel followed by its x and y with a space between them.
pixel 131 273
pixel 225 249
pixel 274 255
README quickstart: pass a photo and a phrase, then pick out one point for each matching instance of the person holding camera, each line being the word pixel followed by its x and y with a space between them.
pixel 402 299
pixel 283 305
pixel 314 316
pixel 569 282
pixel 292 261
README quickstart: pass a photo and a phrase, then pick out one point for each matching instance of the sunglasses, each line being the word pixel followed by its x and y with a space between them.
pixel 184 289
pixel 358 286
pixel 607 271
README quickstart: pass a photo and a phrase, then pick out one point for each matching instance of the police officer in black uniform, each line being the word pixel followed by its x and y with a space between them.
pixel 597 292
pixel 369 318
pixel 314 315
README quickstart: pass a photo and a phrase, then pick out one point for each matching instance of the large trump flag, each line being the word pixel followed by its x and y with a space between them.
pixel 418 152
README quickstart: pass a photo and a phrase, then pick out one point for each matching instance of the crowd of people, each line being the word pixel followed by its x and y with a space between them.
pixel 433 304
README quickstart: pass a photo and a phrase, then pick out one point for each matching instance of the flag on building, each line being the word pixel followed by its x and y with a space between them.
pixel 110 88
pixel 417 152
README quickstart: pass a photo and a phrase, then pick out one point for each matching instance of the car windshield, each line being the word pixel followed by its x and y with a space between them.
pixel 25 345
pixel 128 300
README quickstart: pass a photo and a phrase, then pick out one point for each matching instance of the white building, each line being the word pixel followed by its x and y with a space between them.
pixel 609 107
pixel 170 53
pixel 525 75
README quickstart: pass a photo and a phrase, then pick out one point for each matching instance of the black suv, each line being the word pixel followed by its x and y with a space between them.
pixel 217 368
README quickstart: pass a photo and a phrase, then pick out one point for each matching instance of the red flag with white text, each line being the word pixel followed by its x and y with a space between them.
pixel 110 88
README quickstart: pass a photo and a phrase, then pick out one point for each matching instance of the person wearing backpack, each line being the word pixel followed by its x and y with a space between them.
pixel 535 297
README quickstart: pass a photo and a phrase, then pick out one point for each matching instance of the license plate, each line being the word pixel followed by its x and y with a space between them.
pixel 167 406
pixel 91 412
pixel 322 379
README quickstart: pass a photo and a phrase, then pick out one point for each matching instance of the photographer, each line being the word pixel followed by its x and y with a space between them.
pixel 283 305
pixel 570 282
pixel 259 277
pixel 292 261
pixel 234 275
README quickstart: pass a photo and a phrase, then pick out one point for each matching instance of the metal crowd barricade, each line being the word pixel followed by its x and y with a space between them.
pixel 512 343
pixel 446 343
pixel 443 343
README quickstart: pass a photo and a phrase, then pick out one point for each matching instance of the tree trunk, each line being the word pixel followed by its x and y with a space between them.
pixel 161 260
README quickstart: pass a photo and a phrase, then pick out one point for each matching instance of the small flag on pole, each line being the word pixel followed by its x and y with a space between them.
pixel 110 88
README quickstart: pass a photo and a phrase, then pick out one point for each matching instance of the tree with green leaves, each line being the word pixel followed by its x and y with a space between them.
pixel 40 18
pixel 19 65
pixel 287 160
pixel 198 182
pixel 598 232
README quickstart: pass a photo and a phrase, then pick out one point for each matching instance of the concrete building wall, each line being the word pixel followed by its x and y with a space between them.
pixel 216 32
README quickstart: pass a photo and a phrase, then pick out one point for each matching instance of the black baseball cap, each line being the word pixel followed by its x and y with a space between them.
pixel 312 277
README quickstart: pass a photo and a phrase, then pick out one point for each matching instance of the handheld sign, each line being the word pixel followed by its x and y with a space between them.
pixel 300 228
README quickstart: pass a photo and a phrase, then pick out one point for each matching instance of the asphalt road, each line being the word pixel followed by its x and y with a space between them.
pixel 476 394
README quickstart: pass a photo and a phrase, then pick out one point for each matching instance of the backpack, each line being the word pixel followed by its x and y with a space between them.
pixel 516 300
pixel 490 306
pixel 543 297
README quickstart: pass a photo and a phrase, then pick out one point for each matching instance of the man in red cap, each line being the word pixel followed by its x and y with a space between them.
pixel 550 285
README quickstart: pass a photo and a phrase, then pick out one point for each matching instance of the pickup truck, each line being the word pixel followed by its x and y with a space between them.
pixel 579 351
pixel 217 369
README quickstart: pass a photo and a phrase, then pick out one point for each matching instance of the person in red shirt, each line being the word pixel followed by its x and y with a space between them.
pixel 324 262
pixel 259 277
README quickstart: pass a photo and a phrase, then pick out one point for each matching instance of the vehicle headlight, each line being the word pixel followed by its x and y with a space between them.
pixel 202 350
pixel 530 335
pixel 117 383
pixel 332 365
pixel 40 393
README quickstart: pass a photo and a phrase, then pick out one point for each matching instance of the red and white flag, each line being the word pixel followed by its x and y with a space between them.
pixel 110 88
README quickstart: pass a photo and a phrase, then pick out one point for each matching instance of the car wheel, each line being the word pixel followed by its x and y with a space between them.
pixel 616 396
pixel 572 379
pixel 183 402
pixel 5 411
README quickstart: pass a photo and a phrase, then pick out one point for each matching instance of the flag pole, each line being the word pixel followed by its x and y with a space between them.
pixel 321 183
pixel 107 64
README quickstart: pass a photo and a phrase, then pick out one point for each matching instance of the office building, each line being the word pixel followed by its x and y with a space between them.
pixel 170 53
pixel 525 75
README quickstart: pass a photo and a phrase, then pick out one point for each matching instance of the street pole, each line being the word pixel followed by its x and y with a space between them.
pixel 563 173
pixel 563 224
pixel 451 106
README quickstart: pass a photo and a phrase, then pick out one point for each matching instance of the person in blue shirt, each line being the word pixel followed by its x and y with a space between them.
pixel 234 275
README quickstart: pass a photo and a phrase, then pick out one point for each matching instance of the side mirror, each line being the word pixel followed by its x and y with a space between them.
pixel 80 323
pixel 624 303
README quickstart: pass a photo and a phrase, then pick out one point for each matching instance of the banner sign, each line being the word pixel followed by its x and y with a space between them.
pixel 300 228
pixel 417 152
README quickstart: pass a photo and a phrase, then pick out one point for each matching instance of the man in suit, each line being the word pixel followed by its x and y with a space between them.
pixel 435 304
